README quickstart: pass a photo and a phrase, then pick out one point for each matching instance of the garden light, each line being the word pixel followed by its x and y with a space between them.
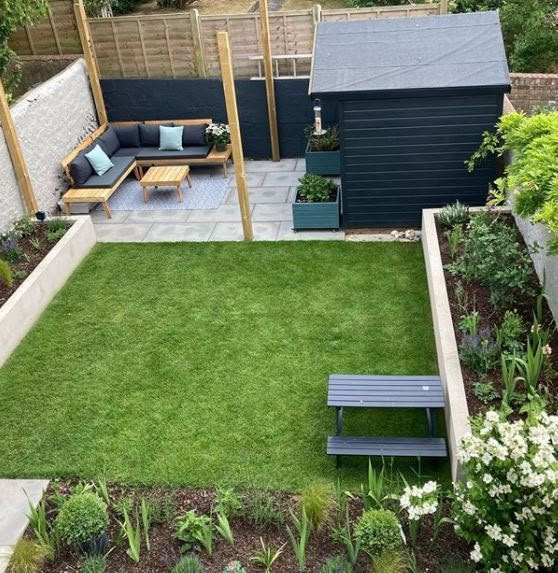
pixel 318 130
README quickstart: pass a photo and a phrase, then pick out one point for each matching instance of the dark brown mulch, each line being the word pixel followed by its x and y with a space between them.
pixel 479 298
pixel 165 549
pixel 32 256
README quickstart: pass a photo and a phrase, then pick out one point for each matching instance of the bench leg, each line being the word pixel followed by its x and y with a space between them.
pixel 225 170
pixel 339 421
pixel 189 180
pixel 337 461
pixel 67 209
pixel 179 190
pixel 431 417
pixel 107 210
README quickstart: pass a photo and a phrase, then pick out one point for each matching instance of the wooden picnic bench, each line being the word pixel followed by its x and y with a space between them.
pixel 367 391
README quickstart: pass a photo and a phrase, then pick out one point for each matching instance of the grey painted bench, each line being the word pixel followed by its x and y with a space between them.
pixel 367 391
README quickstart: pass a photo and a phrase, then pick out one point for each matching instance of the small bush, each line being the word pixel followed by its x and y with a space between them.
pixel 83 517
pixel 234 567
pixel 453 215
pixel 56 229
pixel 315 189
pixel 55 236
pixel 6 274
pixel 328 141
pixel 479 352
pixel 189 564
pixel 336 565
pixel 378 530
pixel 512 333
pixel 163 508
pixel 24 227
pixel 94 564
pixel 390 562
pixel 263 508
pixel 318 502
pixel 124 505
pixel 28 557
pixel 228 502
pixel 9 250
pixel 195 530
pixel 457 567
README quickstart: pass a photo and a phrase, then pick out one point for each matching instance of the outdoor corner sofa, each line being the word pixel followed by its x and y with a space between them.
pixel 132 146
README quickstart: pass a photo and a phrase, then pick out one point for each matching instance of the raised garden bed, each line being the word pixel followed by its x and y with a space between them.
pixel 316 205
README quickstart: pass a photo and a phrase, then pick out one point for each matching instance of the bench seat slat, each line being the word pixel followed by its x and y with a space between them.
pixel 386 446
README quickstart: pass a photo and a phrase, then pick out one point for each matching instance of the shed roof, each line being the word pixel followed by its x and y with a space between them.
pixel 428 52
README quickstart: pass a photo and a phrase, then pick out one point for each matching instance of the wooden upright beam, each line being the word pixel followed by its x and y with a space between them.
pixel 92 68
pixel 443 6
pixel 236 139
pixel 269 81
pixel 16 154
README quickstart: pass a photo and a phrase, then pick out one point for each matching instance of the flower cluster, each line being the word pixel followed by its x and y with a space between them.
pixel 218 133
pixel 509 502
pixel 420 501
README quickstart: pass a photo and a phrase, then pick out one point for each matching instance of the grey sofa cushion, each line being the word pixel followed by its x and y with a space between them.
pixel 128 135
pixel 149 135
pixel 187 153
pixel 194 135
pixel 80 169
pixel 127 152
pixel 109 141
pixel 109 179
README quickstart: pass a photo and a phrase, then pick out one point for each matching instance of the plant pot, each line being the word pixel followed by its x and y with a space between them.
pixel 323 162
pixel 221 147
pixel 95 546
pixel 316 215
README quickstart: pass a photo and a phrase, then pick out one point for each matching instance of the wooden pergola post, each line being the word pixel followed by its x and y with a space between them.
pixel 16 154
pixel 236 139
pixel 92 68
pixel 269 82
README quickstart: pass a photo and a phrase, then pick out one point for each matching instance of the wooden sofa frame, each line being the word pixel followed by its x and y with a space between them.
pixel 103 194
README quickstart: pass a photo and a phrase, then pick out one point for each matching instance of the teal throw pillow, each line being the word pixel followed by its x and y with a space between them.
pixel 99 160
pixel 170 138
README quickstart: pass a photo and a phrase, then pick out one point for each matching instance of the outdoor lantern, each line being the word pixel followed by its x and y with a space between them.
pixel 40 216
pixel 318 130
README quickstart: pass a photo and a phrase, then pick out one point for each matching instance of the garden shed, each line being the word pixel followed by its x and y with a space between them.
pixel 414 96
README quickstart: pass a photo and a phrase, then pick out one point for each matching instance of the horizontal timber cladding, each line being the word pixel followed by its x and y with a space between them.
pixel 402 154
pixel 144 99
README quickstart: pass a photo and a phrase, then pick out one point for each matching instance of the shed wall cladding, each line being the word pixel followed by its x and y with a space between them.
pixel 402 155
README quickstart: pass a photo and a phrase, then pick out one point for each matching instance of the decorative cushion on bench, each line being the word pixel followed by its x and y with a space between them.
pixel 194 135
pixel 146 153
pixel 149 134
pixel 99 160
pixel 110 178
pixel 109 142
pixel 128 135
pixel 170 138
pixel 80 169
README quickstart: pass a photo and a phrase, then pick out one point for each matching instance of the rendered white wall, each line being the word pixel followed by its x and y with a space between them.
pixel 50 121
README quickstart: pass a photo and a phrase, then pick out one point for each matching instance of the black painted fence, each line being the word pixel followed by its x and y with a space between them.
pixel 151 99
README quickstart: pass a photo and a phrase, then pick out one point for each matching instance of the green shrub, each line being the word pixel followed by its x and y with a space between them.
pixel 336 565
pixel 24 227
pixel 189 564
pixel 94 564
pixel 228 502
pixel 315 189
pixel 318 501
pixel 121 7
pixel 124 505
pixel 328 141
pixel 390 562
pixel 511 334
pixel 163 508
pixel 455 566
pixel 6 274
pixel 9 249
pixel 479 352
pixel 28 557
pixel 453 215
pixel 378 530
pixel 263 508
pixel 234 567
pixel 195 530
pixel 81 518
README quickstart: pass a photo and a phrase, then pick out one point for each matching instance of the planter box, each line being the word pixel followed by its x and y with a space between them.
pixel 25 306
pixel 323 162
pixel 316 215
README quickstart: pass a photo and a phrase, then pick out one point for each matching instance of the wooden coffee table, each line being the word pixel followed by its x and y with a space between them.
pixel 166 176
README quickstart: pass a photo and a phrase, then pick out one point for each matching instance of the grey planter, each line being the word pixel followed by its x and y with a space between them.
pixel 323 162
pixel 316 215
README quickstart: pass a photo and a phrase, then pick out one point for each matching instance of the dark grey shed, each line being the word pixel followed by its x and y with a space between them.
pixel 414 96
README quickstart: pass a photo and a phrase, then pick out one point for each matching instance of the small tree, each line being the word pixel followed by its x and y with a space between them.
pixel 13 15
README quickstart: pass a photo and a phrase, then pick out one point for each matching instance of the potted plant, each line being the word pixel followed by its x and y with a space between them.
pixel 219 134
pixel 316 205
pixel 323 156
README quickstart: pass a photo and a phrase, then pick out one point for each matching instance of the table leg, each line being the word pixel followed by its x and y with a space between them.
pixel 145 194
pixel 431 417
pixel 189 180
pixel 178 188
pixel 339 421
pixel 225 169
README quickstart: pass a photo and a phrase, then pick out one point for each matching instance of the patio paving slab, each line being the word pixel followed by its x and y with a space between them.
pixel 173 233
pixel 14 508
pixel 300 164
pixel 99 217
pixel 269 166
pixel 272 212
pixel 280 179
pixel 124 233
pixel 286 233
pixel 252 180
pixel 223 214
pixel 233 231
pixel 261 195
pixel 164 216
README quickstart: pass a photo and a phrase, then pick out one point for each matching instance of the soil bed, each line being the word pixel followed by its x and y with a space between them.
pixel 478 298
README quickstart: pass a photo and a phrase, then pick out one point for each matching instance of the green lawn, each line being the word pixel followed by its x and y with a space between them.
pixel 206 364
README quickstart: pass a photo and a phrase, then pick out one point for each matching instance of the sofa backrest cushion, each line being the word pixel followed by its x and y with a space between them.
pixel 128 135
pixel 80 169
pixel 194 135
pixel 149 134
pixel 109 141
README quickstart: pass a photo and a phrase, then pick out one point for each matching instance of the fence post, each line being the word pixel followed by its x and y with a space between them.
pixel 198 45
pixel 443 6
pixel 317 13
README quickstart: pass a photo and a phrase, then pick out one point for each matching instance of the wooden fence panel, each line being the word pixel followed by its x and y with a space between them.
pixel 341 14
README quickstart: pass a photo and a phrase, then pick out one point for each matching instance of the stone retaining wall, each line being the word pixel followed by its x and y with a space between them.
pixel 532 90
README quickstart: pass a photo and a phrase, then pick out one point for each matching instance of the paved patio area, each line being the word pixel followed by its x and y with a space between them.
pixel 272 187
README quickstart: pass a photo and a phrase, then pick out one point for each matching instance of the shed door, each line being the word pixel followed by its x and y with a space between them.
pixel 400 156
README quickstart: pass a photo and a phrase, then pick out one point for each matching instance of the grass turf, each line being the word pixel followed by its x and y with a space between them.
pixel 204 364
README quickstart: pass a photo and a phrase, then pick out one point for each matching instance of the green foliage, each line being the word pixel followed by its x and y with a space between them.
pixel 94 564
pixel 131 532
pixel 318 502
pixel 485 391
pixel 300 543
pixel 190 564
pixel 510 379
pixel 267 556
pixel 163 508
pixel 493 257
pixel 195 531
pixel 263 508
pixel 223 527
pixel 479 352
pixel 336 565
pixel 46 535
pixel 511 334
pixel 344 535
pixel 315 189
pixel 328 141
pixel 177 4
pixel 124 505
pixel 28 557
pixel 234 567
pixel 9 249
pixel 122 7
pixel 16 14
pixel 228 502
pixel 455 566
pixel 6 273
pixel 470 323
pixel 146 520
pixel 390 562
pixel 455 236
pixel 102 490
pixel 96 8
pixel 24 227
pixel 453 215
pixel 81 518
pixel 378 530
pixel 56 229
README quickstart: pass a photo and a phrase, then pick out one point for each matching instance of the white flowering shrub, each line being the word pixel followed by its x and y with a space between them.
pixel 420 501
pixel 218 133
pixel 508 505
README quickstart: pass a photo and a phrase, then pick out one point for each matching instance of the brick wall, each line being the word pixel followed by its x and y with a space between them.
pixel 532 90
